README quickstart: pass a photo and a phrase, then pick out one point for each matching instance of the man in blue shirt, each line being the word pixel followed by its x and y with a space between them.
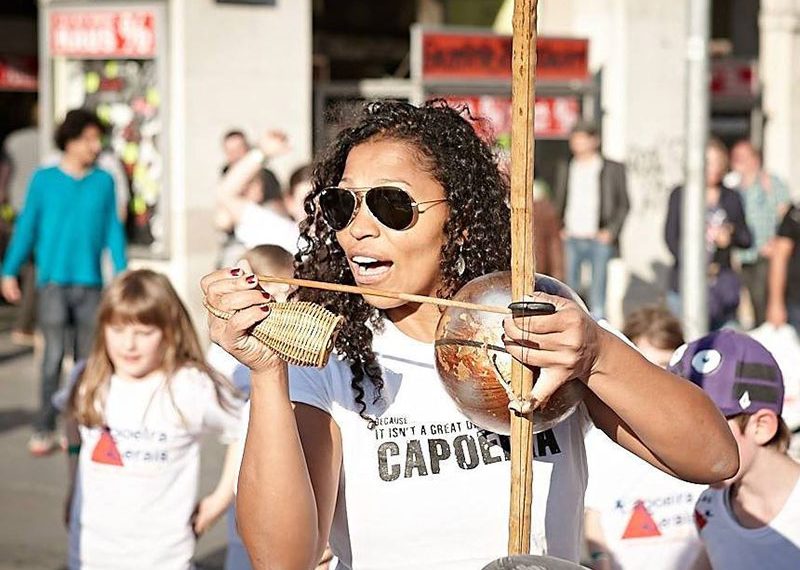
pixel 766 200
pixel 68 219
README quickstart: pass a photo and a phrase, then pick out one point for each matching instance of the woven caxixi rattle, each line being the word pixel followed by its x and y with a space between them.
pixel 300 333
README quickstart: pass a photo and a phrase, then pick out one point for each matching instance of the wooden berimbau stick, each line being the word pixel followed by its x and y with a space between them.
pixel 382 293
pixel 523 72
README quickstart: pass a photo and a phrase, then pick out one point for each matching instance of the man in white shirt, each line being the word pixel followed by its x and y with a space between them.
pixel 22 149
pixel 592 200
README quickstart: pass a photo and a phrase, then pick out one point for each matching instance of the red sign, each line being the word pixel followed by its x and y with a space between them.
pixel 107 33
pixel 735 78
pixel 18 73
pixel 555 116
pixel 448 56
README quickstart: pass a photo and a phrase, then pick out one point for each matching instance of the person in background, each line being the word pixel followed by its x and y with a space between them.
pixel 784 273
pixel 68 220
pixel 636 515
pixel 22 149
pixel 726 228
pixel 261 187
pixel 6 211
pixel 255 223
pixel 591 198
pixel 234 147
pixel 766 200
pixel 299 188
pixel 751 520
pixel 135 414
pixel 547 233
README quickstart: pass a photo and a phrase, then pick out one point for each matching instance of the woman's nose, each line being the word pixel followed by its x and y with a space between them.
pixel 364 224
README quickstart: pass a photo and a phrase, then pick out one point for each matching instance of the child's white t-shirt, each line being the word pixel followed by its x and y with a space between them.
pixel 136 490
pixel 427 489
pixel 729 545
pixel 646 514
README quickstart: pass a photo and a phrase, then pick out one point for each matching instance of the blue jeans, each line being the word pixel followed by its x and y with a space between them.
pixel 597 254
pixel 61 308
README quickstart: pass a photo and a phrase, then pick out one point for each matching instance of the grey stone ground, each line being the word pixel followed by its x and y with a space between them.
pixel 32 536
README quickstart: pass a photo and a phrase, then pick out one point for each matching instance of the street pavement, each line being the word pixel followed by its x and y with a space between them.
pixel 32 535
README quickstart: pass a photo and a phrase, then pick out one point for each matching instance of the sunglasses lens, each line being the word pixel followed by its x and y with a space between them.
pixel 391 206
pixel 337 205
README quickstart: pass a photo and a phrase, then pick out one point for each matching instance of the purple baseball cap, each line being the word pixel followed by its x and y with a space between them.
pixel 735 370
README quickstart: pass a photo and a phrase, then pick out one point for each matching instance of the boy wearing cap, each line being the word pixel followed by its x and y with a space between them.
pixel 753 519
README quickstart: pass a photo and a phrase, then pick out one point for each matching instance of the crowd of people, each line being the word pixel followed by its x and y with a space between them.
pixel 367 462
pixel 750 233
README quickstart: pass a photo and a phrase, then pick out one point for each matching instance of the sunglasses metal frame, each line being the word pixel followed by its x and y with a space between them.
pixel 360 193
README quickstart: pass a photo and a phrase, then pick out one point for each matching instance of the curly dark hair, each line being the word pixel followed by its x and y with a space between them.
pixel 478 228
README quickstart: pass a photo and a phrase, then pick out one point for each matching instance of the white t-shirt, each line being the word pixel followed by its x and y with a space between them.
pixel 730 546
pixel 427 489
pixel 136 484
pixel 236 372
pixel 646 514
pixel 22 147
pixel 259 226
pixel 582 213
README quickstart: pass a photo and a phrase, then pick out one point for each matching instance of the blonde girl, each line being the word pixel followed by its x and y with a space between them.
pixel 135 416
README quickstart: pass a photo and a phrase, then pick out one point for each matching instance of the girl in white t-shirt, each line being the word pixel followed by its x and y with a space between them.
pixel 369 452
pixel 135 416
pixel 637 516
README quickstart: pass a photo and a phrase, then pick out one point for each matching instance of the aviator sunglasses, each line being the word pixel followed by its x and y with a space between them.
pixel 391 206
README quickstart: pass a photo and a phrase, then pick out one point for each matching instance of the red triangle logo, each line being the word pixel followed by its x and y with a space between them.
pixel 641 524
pixel 700 520
pixel 106 451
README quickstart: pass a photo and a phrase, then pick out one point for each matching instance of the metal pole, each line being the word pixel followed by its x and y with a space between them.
pixel 694 280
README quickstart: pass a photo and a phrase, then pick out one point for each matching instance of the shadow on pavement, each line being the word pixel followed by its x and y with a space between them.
pixel 15 353
pixel 15 417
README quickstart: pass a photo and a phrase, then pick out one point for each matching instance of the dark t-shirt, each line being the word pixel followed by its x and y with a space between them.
pixel 790 228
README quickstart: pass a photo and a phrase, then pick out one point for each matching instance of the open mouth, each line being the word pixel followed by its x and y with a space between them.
pixel 369 268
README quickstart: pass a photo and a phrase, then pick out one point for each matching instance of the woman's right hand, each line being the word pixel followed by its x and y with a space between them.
pixel 237 291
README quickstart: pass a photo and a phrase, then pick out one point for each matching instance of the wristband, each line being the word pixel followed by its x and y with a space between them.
pixel 74 449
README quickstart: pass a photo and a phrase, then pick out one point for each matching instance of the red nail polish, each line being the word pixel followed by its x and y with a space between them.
pixel 265 308
pixel 266 295
pixel 236 272
pixel 251 279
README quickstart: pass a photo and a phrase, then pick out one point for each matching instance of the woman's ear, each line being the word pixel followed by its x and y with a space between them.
pixel 764 426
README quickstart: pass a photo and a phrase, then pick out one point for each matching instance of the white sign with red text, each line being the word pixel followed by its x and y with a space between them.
pixel 103 33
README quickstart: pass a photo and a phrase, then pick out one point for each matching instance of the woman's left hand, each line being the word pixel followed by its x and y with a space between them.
pixel 564 345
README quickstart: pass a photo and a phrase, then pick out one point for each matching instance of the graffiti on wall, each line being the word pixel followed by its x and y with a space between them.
pixel 653 171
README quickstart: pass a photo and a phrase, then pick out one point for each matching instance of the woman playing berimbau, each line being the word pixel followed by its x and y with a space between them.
pixel 370 453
